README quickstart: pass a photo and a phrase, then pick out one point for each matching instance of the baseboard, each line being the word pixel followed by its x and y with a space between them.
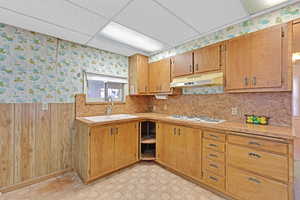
pixel 33 181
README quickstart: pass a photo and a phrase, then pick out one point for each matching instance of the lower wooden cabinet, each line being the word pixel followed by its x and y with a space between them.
pixel 180 148
pixel 247 186
pixel 104 149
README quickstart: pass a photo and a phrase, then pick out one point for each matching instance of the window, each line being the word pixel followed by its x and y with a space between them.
pixel 99 88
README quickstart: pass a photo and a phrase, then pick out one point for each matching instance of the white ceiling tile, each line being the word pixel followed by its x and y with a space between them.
pixel 205 15
pixel 107 8
pixel 112 46
pixel 28 23
pixel 58 12
pixel 149 18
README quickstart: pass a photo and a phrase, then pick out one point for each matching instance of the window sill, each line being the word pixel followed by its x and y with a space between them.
pixel 105 103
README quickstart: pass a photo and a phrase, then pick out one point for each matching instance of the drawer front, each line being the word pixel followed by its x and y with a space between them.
pixel 214 167
pixel 214 145
pixel 214 180
pixel 267 145
pixel 247 186
pixel 214 136
pixel 264 163
pixel 214 155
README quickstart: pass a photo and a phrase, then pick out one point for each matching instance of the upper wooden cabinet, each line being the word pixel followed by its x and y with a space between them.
pixel 160 76
pixel 138 74
pixel 210 58
pixel 182 64
pixel 259 61
pixel 296 36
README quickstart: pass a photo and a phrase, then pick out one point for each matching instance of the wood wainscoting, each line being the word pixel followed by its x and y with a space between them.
pixel 34 143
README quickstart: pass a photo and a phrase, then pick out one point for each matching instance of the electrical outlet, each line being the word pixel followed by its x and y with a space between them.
pixel 234 110
pixel 44 106
pixel 165 107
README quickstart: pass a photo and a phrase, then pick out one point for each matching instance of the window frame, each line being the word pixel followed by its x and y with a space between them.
pixel 106 79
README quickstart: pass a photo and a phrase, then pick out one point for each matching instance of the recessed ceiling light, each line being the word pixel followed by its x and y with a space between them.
pixel 130 37
pixel 254 6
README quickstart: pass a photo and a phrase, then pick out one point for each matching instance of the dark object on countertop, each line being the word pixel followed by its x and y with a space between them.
pixel 259 120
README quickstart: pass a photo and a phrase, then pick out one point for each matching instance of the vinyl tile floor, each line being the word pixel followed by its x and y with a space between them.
pixel 143 181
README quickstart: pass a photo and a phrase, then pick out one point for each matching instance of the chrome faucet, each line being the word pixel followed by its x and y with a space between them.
pixel 110 105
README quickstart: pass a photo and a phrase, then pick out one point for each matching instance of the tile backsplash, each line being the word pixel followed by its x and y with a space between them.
pixel 275 105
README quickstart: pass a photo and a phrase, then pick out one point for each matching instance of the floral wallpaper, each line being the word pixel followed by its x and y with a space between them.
pixel 277 17
pixel 40 68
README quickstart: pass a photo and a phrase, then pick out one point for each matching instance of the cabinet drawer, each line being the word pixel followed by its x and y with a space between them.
pixel 214 145
pixel 214 180
pixel 214 155
pixel 267 145
pixel 247 186
pixel 214 167
pixel 264 163
pixel 214 136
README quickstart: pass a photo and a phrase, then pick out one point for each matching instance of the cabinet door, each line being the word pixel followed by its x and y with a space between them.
pixel 160 76
pixel 102 151
pixel 182 64
pixel 159 142
pixel 169 155
pixel 154 74
pixel 180 148
pixel 296 37
pixel 208 58
pixel 238 63
pixel 266 57
pixel 142 67
pixel 126 141
pixel 193 152
pixel 165 75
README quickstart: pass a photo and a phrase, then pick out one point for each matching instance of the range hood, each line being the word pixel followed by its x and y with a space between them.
pixel 211 79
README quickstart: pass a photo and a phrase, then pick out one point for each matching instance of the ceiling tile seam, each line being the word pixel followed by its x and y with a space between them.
pixel 176 16
pixel 109 20
pixel 226 25
pixel 86 9
pixel 45 21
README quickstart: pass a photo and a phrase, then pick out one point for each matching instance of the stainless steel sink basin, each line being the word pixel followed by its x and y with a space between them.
pixel 104 118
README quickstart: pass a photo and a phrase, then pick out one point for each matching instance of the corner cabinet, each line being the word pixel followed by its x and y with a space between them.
pixel 138 74
pixel 260 61
pixel 104 149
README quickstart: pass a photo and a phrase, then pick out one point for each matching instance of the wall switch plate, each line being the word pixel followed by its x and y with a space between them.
pixel 45 106
pixel 234 110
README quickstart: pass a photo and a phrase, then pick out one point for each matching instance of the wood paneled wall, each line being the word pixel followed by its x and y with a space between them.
pixel 33 142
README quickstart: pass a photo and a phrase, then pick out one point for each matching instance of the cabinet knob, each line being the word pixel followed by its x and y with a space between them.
pixel 246 81
pixel 254 80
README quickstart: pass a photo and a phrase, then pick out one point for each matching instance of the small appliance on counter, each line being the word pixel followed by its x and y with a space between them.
pixel 259 120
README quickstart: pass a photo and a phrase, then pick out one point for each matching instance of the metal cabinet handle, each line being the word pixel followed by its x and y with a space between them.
pixel 254 143
pixel 214 136
pixel 191 68
pixel 213 155
pixel 254 180
pixel 179 131
pixel 174 132
pixel 146 88
pixel 214 166
pixel 254 155
pixel 213 145
pixel 246 81
pixel 197 67
pixel 213 178
pixel 254 80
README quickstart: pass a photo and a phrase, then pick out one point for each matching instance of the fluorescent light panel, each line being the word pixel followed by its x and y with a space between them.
pixel 130 37
pixel 254 6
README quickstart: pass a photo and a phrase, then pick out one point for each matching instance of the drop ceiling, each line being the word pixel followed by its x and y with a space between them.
pixel 171 22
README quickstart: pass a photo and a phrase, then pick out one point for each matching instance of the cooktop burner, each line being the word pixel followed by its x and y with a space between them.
pixel 202 119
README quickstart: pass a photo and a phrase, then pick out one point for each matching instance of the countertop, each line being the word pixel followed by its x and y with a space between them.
pixel 270 131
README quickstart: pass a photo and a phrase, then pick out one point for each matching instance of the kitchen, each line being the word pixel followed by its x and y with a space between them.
pixel 151 99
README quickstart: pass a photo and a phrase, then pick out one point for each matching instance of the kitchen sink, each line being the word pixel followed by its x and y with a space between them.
pixel 104 118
